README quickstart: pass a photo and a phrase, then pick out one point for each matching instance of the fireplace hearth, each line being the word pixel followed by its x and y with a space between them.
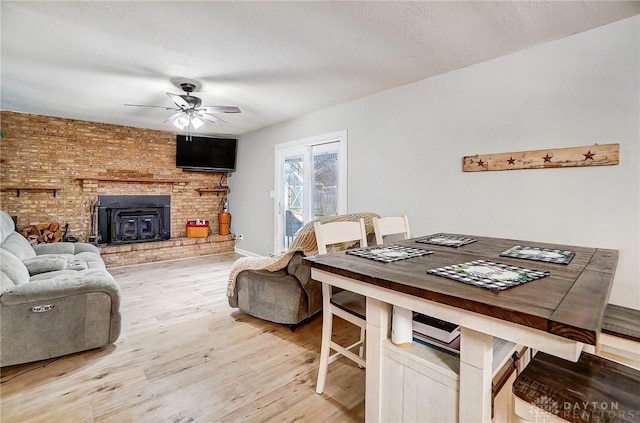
pixel 125 219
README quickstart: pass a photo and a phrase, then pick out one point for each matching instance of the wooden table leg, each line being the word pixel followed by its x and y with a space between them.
pixel 476 356
pixel 378 317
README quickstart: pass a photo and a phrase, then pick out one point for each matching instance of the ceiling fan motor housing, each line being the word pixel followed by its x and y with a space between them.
pixel 188 87
pixel 193 101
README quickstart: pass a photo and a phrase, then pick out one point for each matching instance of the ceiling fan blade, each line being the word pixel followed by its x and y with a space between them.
pixel 221 109
pixel 211 118
pixel 156 107
pixel 180 102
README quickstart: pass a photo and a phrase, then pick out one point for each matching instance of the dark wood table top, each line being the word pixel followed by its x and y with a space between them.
pixel 570 302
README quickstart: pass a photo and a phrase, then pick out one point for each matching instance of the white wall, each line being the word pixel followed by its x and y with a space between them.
pixel 406 147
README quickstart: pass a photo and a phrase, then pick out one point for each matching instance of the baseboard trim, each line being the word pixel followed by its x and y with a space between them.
pixel 246 253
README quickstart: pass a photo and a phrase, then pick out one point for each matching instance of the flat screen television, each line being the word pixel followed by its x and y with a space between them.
pixel 206 154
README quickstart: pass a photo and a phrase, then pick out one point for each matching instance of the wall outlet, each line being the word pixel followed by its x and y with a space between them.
pixel 240 237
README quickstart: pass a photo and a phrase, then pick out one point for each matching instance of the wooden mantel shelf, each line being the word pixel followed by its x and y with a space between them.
pixel 132 180
pixel 217 190
pixel 19 188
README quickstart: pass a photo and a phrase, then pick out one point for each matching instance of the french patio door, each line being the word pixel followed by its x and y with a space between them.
pixel 311 182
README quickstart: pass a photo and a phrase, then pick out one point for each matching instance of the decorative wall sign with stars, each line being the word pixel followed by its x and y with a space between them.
pixel 590 155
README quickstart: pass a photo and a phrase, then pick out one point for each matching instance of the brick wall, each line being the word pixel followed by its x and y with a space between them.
pixel 175 248
pixel 73 155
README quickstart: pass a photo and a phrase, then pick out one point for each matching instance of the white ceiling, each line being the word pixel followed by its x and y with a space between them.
pixel 275 60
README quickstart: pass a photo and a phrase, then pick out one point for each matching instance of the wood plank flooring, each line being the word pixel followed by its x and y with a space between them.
pixel 185 356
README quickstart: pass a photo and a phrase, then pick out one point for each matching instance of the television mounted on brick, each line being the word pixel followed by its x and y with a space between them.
pixel 206 154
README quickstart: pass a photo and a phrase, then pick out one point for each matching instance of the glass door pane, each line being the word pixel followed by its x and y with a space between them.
pixel 293 197
pixel 325 180
pixel 310 183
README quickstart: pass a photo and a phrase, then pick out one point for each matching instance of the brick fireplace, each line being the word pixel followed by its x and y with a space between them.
pixel 56 170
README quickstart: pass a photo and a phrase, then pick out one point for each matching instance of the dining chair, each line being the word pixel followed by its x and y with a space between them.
pixel 395 227
pixel 392 225
pixel 344 304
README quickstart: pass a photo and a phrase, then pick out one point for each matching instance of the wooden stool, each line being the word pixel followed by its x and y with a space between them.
pixel 594 389
pixel 344 304
pixel 620 336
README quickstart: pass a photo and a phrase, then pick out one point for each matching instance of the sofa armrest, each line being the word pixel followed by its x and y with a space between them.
pixel 59 313
pixel 63 283
pixel 313 288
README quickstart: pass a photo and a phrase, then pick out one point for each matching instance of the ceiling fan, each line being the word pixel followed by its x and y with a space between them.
pixel 188 113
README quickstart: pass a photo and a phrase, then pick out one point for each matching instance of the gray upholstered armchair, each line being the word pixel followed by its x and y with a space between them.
pixel 287 296
pixel 280 289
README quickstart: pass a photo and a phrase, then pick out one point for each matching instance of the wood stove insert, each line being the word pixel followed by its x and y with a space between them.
pixel 124 219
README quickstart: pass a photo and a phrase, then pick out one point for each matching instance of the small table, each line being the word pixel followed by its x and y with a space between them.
pixel 558 314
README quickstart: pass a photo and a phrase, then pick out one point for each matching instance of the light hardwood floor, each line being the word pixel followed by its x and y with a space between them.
pixel 185 356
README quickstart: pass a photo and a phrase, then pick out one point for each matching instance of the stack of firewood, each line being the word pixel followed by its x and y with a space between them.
pixel 42 233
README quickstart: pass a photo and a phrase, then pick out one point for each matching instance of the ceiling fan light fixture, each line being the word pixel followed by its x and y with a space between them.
pixel 196 122
pixel 182 121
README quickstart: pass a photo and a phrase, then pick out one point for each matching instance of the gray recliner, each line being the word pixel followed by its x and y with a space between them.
pixel 287 296
pixel 55 299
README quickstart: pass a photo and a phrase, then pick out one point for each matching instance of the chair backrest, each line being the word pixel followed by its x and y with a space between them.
pixel 392 225
pixel 338 232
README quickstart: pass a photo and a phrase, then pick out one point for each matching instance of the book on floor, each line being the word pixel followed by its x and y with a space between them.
pixel 435 328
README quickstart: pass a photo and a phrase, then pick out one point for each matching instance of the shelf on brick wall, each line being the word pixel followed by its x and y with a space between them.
pixel 132 180
pixel 20 188
pixel 217 190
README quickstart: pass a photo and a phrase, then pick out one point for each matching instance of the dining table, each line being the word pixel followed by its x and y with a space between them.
pixel 559 311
